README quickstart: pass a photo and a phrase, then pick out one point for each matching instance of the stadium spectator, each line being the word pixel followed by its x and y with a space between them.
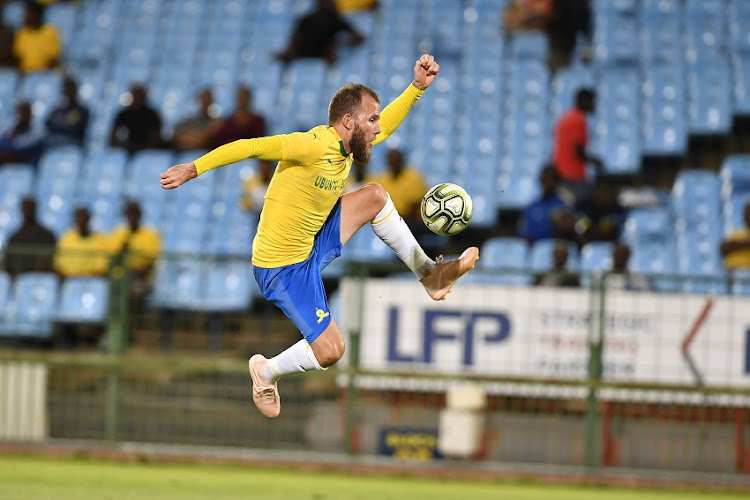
pixel 600 217
pixel 67 123
pixel 7 58
pixel 243 123
pixel 358 177
pixel 197 131
pixel 316 34
pixel 570 20
pixel 140 245
pixel 527 15
pixel 31 247
pixel 138 125
pixel 569 150
pixel 36 46
pixel 543 218
pixel 620 277
pixel 81 251
pixel 405 184
pixel 736 247
pixel 559 275
pixel 23 141
pixel 346 6
pixel 254 189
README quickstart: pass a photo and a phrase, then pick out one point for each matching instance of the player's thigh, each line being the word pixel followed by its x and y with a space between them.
pixel 329 346
pixel 360 207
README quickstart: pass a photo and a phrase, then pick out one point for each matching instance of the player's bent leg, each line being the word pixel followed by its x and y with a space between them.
pixel 360 207
pixel 329 347
pixel 440 280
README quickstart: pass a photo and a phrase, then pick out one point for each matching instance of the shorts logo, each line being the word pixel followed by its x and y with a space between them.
pixel 321 314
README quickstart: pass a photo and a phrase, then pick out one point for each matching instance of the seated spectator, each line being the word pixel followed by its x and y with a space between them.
pixel 316 34
pixel 601 216
pixel 243 123
pixel 569 149
pixel 523 15
pixel 254 189
pixel 559 275
pixel 736 247
pixel 405 185
pixel 542 218
pixel 31 247
pixel 620 277
pixel 7 58
pixel 141 246
pixel 346 6
pixel 80 251
pixel 197 131
pixel 357 177
pixel 67 123
pixel 36 47
pixel 23 141
pixel 138 125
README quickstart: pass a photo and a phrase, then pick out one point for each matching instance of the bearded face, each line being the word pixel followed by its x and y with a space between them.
pixel 358 145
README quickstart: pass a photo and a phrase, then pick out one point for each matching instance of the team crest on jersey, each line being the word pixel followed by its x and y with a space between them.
pixel 321 314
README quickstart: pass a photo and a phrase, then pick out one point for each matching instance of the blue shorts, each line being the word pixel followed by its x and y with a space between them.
pixel 297 289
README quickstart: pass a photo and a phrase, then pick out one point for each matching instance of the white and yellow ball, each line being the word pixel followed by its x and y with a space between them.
pixel 447 209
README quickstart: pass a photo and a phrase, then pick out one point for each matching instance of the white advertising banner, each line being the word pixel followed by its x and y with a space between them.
pixel 496 330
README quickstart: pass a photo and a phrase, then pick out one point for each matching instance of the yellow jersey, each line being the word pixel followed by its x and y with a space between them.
pixel 144 245
pixel 77 255
pixel 308 181
pixel 37 48
pixel 739 259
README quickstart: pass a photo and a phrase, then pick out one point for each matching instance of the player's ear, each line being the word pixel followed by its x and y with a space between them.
pixel 348 121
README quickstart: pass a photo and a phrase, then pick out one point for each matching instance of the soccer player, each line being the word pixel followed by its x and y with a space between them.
pixel 305 221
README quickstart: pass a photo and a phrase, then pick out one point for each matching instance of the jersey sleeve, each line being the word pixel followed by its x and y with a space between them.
pixel 300 147
pixel 395 112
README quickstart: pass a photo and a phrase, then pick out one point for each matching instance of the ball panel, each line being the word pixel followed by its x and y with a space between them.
pixel 446 209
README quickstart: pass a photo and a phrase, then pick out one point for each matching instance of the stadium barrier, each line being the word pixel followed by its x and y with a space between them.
pixel 599 376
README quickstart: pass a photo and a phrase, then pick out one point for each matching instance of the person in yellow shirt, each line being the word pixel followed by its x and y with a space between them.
pixel 81 251
pixel 254 189
pixel 306 220
pixel 142 244
pixel 405 184
pixel 736 247
pixel 36 47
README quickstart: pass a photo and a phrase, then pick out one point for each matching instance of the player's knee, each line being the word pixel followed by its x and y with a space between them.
pixel 330 355
pixel 377 195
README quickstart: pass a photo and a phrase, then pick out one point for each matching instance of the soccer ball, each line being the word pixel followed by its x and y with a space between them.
pixel 447 209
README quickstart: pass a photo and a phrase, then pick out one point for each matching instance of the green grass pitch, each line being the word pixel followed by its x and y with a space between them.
pixel 24 477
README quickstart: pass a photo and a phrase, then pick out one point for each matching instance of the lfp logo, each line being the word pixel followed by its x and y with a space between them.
pixel 495 328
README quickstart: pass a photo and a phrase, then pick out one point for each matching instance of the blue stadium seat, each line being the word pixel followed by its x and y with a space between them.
pixel 696 195
pixel 648 225
pixel 83 300
pixel 509 255
pixel 365 246
pixel 32 306
pixel 525 46
pixel 664 110
pixel 741 82
pixel 596 256
pixel 42 89
pixel 735 175
pixel 541 255
pixel 229 286
pixel 710 95
pixel 5 284
pixel 178 283
pixel 740 282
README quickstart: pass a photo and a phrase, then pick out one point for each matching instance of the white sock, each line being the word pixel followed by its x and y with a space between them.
pixel 298 358
pixel 391 228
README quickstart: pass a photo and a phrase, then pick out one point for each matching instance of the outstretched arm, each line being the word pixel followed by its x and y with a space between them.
pixel 425 71
pixel 298 148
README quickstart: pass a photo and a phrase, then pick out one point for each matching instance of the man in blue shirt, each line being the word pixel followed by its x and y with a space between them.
pixel 540 218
